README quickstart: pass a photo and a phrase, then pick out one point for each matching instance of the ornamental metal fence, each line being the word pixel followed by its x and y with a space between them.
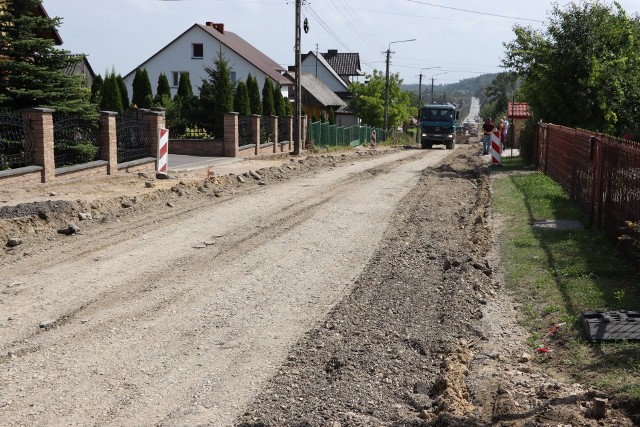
pixel 134 140
pixel 283 129
pixel 244 131
pixel 75 140
pixel 16 144
pixel 266 133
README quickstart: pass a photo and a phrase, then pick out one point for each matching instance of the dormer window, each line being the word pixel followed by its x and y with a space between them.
pixel 197 50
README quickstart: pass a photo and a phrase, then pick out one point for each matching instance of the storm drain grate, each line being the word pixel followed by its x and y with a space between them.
pixel 612 325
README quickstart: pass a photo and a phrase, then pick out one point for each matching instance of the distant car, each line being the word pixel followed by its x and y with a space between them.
pixel 473 132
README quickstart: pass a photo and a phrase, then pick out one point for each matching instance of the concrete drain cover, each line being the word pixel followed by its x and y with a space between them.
pixel 612 325
pixel 558 224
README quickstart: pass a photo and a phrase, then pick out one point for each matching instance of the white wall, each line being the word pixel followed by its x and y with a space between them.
pixel 324 75
pixel 177 57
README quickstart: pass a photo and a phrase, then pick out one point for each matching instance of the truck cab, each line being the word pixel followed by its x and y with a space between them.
pixel 438 125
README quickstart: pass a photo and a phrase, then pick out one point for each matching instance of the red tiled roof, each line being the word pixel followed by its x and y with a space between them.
pixel 519 110
pixel 248 52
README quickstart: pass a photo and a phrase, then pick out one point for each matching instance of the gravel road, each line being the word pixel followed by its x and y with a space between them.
pixel 359 291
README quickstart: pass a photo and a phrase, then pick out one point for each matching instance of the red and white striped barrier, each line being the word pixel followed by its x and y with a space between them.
pixel 496 148
pixel 163 150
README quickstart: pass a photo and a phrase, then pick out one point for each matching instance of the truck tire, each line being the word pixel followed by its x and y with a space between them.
pixel 426 144
pixel 451 145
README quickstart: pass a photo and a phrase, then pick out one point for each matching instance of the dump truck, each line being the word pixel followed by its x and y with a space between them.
pixel 438 125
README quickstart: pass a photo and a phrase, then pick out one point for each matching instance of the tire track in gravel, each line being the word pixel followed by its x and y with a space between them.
pixel 192 344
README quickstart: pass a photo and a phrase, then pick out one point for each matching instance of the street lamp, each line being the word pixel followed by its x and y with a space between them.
pixel 432 83
pixel 386 96
pixel 420 101
pixel 420 86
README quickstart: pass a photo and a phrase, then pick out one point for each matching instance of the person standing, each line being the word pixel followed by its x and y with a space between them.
pixel 487 128
pixel 503 135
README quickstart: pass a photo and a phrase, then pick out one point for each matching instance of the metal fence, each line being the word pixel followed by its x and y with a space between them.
pixel 601 173
pixel 283 129
pixel 266 133
pixel 75 140
pixel 134 137
pixel 244 131
pixel 324 134
pixel 16 144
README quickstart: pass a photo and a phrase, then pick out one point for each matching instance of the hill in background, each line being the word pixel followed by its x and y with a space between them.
pixel 459 93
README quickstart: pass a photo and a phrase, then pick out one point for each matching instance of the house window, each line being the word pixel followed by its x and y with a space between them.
pixel 175 77
pixel 233 77
pixel 197 50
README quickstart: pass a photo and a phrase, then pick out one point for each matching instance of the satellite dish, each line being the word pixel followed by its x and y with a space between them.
pixel 306 25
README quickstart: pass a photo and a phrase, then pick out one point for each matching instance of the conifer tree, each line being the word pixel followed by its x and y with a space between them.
pixel 255 103
pixel 185 90
pixel 111 99
pixel 278 101
pixel 332 117
pixel 241 100
pixel 163 90
pixel 32 69
pixel 219 77
pixel 96 89
pixel 268 108
pixel 141 89
pixel 124 93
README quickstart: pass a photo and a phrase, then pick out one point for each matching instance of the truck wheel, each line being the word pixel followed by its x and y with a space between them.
pixel 451 145
pixel 427 145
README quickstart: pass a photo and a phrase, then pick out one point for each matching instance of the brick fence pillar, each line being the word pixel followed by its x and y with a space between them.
pixel 109 141
pixel 231 134
pixel 273 120
pixel 41 129
pixel 155 120
pixel 255 131
pixel 289 126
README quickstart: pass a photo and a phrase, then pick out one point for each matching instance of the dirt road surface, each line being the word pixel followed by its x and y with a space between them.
pixel 348 290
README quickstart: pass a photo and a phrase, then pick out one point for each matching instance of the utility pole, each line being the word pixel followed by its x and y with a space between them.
pixel 432 89
pixel 297 139
pixel 386 98
pixel 386 95
pixel 418 131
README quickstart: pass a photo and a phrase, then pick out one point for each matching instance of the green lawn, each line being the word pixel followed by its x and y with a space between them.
pixel 556 275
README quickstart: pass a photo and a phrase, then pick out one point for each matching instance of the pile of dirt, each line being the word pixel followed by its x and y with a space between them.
pixel 428 336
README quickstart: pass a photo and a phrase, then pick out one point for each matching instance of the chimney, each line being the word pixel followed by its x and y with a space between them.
pixel 332 52
pixel 219 27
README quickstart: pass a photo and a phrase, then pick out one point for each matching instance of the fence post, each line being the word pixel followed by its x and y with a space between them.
pixel 155 120
pixel 255 131
pixel 303 133
pixel 596 181
pixel 231 134
pixel 41 130
pixel 273 120
pixel 109 140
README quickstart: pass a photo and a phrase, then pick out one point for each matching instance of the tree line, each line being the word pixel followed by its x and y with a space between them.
pixel 186 112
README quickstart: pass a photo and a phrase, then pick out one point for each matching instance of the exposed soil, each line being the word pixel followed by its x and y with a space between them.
pixel 345 290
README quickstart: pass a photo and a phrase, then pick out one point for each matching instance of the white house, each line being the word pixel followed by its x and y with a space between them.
pixel 320 68
pixel 198 47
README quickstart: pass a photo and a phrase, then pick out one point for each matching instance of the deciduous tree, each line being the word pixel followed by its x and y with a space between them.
pixel 583 70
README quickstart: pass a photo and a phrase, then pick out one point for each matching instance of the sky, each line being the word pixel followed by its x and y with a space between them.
pixel 454 40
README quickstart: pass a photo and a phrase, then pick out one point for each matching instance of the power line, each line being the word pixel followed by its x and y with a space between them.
pixel 475 11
